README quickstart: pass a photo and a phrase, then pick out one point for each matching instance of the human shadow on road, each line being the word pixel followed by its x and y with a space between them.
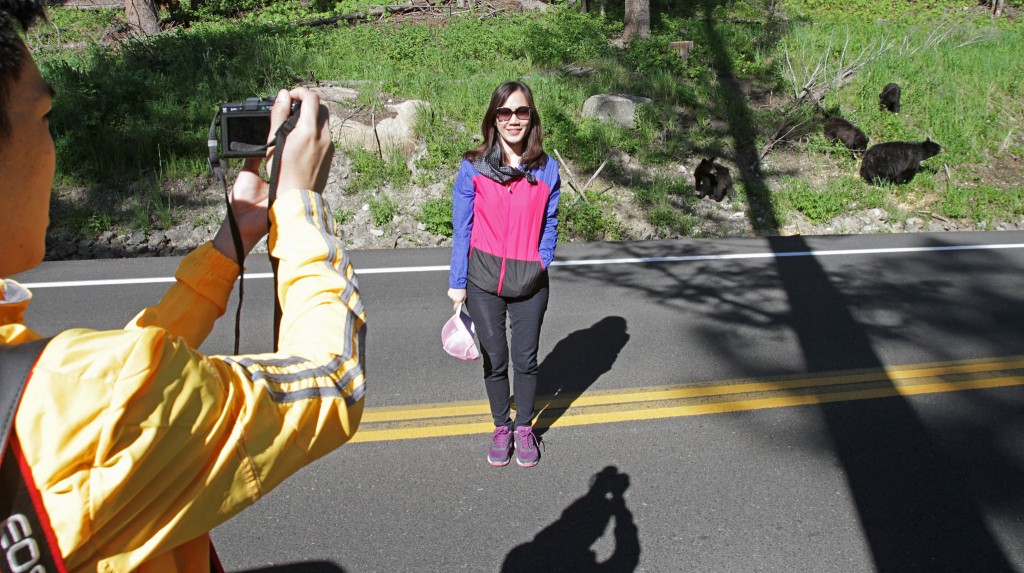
pixel 565 545
pixel 302 567
pixel 573 365
pixel 914 503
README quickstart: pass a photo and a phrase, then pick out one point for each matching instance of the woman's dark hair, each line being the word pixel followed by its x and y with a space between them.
pixel 15 16
pixel 533 154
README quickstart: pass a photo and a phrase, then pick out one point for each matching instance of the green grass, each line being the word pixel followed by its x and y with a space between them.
pixel 983 203
pixel 373 172
pixel 141 112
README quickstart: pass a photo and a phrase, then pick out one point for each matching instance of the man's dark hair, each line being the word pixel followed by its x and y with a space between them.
pixel 15 16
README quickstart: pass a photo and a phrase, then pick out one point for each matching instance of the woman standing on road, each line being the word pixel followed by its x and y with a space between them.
pixel 505 213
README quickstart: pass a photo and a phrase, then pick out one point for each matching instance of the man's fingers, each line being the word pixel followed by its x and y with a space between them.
pixel 279 113
pixel 311 113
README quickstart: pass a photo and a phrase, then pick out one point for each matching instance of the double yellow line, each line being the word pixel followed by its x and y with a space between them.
pixel 605 406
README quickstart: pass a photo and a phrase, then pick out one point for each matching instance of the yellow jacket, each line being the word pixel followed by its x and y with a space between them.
pixel 140 445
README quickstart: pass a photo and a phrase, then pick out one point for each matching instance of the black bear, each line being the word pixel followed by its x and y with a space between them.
pixel 713 180
pixel 890 98
pixel 838 129
pixel 896 161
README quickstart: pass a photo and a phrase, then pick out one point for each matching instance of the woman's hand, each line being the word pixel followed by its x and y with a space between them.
pixel 458 296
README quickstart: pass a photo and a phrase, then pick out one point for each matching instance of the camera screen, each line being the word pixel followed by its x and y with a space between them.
pixel 247 130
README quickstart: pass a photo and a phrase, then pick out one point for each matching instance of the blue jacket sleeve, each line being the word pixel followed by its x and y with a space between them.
pixel 463 193
pixel 550 237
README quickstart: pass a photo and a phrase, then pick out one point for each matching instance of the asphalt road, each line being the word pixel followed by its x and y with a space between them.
pixel 708 405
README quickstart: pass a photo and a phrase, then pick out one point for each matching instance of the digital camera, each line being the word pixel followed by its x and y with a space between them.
pixel 244 126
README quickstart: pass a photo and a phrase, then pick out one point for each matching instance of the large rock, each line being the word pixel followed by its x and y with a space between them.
pixel 389 129
pixel 619 109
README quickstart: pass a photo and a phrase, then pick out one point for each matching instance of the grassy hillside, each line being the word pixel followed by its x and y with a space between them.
pixel 132 115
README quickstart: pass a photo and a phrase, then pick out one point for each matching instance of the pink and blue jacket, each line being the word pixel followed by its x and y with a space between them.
pixel 505 233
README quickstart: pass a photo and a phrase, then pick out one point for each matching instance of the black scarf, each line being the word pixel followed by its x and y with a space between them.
pixel 489 165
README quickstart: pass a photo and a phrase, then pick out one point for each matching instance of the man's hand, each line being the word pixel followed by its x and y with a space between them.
pixel 306 160
pixel 305 164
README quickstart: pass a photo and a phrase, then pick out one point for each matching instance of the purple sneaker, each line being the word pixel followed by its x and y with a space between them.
pixel 501 447
pixel 527 454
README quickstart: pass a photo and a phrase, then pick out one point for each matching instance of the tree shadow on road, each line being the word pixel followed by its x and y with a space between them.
pixel 573 365
pixel 566 544
pixel 914 504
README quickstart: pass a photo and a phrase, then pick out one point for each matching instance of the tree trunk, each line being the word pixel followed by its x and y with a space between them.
pixel 143 16
pixel 637 20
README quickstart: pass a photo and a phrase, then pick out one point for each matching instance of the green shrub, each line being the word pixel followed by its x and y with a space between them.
pixel 436 215
pixel 98 223
pixel 342 216
pixel 586 221
pixel 668 222
pixel 653 55
pixel 382 211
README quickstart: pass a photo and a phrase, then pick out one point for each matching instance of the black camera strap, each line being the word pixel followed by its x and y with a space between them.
pixel 217 165
pixel 27 536
pixel 275 175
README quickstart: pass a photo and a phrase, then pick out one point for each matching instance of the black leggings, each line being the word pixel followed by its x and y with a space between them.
pixel 525 317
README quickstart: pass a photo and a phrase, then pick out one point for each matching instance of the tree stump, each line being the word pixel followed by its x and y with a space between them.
pixel 682 48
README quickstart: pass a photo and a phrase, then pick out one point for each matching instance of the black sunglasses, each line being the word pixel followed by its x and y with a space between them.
pixel 504 114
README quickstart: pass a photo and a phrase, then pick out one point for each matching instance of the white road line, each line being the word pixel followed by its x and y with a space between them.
pixel 576 263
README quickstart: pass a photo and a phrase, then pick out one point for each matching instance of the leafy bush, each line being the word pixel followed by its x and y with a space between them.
pixel 586 221
pixel 436 215
pixel 342 216
pixel 669 222
pixel 653 55
pixel 382 211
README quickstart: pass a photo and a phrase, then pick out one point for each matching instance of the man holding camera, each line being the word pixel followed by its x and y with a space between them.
pixel 137 445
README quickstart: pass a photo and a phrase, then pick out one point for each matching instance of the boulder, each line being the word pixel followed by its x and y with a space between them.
pixel 353 126
pixel 619 109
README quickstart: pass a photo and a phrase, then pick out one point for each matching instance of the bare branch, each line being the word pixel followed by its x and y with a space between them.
pixel 572 178
pixel 377 12
pixel 594 176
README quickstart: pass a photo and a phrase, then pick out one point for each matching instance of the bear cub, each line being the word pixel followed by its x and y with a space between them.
pixel 838 129
pixel 896 161
pixel 713 180
pixel 889 99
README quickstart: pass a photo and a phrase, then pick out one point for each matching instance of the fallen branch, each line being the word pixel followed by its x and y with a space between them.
pixel 759 21
pixel 372 13
pixel 814 84
pixel 933 216
pixel 373 122
pixel 594 176
pixel 775 138
pixel 572 178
